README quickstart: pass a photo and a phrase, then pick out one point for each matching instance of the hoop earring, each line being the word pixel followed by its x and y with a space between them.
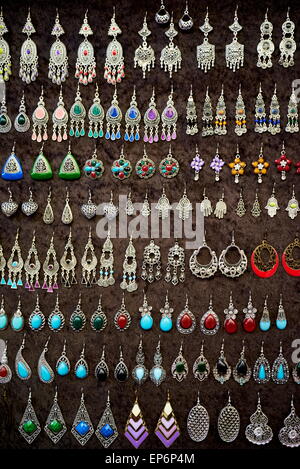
pixel 200 270
pixel 289 263
pixel 259 266
pixel 233 270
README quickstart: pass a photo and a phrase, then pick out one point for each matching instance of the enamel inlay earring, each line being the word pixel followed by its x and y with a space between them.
pixel 81 368
pixel 22 368
pixel 136 430
pixel 167 428
pixel 58 62
pixel 40 119
pixel 12 169
pixel 69 169
pixel 29 426
pixel 63 363
pixel 85 63
pixel 144 55
pixel 45 371
pixel 29 57
pixel 114 62
pixel 77 116
pixel 22 121
pixel 113 119
pixel 55 426
pixel 197 164
pixel 107 431
pixel 36 319
pixel 93 168
pixel 157 372
pixel 60 119
pixel 41 169
pixel 151 121
pixel 169 118
pixel 132 121
pixel 121 168
pixel 96 117
pixel 217 164
pixel 5 59
pixel 82 428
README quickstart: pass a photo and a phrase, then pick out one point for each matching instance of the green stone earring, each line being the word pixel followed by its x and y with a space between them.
pixel 69 168
pixel 78 319
pixel 41 169
pixel 77 116
pixel 55 426
pixel 29 426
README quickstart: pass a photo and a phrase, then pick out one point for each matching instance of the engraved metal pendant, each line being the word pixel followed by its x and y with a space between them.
pixel 5 121
pixel 68 263
pixel 9 207
pixel 67 215
pixel 55 426
pixel 110 209
pixel 203 270
pixel 261 369
pixel 256 210
pixel 32 267
pixel 113 119
pixel 265 47
pixel 22 121
pixel 292 114
pixel 260 120
pixel 240 208
pixel 198 422
pixel 107 430
pixel 58 61
pixel 129 282
pixel 140 372
pixel 22 368
pixel 287 45
pixel 162 16
pixel 114 62
pixel 40 119
pixel 163 205
pixel 6 373
pixel 234 52
pixel 206 51
pixel 169 118
pixel 144 55
pixel 85 63
pixel 222 370
pixel 157 372
pixel 176 261
pixel 146 209
pixel 228 423
pixel 201 368
pixel 289 435
pixel 60 119
pixel 50 268
pixel 184 207
pixel 207 117
pixel 29 426
pixel 89 263
pixel 5 59
pixel 48 216
pixel 122 318
pixel 89 209
pixel 280 369
pixel 106 278
pixel 293 206
pixel 150 262
pixel 29 57
pixel 240 115
pixel 151 121
pixel 191 115
pixel 121 372
pixel 82 428
pixel 186 21
pixel 170 57
pixel 274 116
pixel 258 431
pixel 233 270
pixel 209 322
pixel 179 368
pixel 220 117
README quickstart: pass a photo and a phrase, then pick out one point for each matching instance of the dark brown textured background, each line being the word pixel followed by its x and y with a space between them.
pixel 249 232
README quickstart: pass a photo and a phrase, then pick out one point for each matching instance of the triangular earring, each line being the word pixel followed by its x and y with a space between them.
pixel 167 429
pixel 69 168
pixel 107 430
pixel 41 169
pixel 55 426
pixel 12 168
pixel 29 426
pixel 136 431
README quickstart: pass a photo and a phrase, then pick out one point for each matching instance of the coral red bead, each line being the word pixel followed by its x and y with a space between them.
pixel 122 321
pixel 168 167
pixel 249 324
pixel 3 371
pixel 230 326
pixel 186 321
pixel 145 168
pixel 210 322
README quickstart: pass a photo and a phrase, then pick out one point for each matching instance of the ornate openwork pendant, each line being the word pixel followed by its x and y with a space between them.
pixel 60 119
pixel 5 121
pixel 260 266
pixel 5 59
pixel 114 62
pixel 198 422
pixel 207 117
pixel 85 63
pixel 291 263
pixel 228 423
pixel 170 58
pixel 29 57
pixel 144 55
pixel 50 268
pixel 233 270
pixel 151 260
pixel 206 51
pixel 40 119
pixel 234 52
pixel 222 370
pixel 289 435
pixel 203 270
pixel 58 62
pixel 169 118
pixel 68 263
pixel 32 267
pixel 201 368
pixel 258 431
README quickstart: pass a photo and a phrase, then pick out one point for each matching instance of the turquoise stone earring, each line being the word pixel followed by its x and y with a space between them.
pixel 166 323
pixel 37 318
pixel 12 168
pixel 45 371
pixel 63 363
pixel 140 372
pixel 56 320
pixel 265 323
pixel 157 372
pixel 146 321
pixel 261 369
pixel 81 368
pixel 280 370
pixel 17 319
pixel 3 316
pixel 281 321
pixel 22 368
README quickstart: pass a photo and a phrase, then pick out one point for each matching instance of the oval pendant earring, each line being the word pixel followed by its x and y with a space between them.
pixel 122 319
pixel 56 320
pixel 78 319
pixel 280 370
pixel 63 363
pixel 198 422
pixel 229 422
pixel 265 322
pixel 210 323
pixel 98 320
pixel 242 371
pixel 157 372
pixel 140 372
pixel 5 371
pixel 45 371
pixel 121 371
pixel 3 316
pixel 22 121
pixel 22 368
pixel 201 368
pixel 186 321
pixel 222 370
pixel 17 319
pixel 37 318
pixel 165 323
pixel 81 369
pixel 102 370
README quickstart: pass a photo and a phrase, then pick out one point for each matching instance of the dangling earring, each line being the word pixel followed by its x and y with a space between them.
pixel 242 371
pixel 5 121
pixel 89 263
pixel 292 114
pixel 221 207
pixel 45 371
pixel 114 62
pixel 203 270
pixel 82 428
pixel 60 119
pixel 107 430
pixel 222 370
pixel 12 169
pixel 5 371
pixel 265 47
pixel 122 318
pixel 260 119
pixel 170 55
pixel 291 264
pixel 229 422
pixel 107 264
pixel 81 368
pixel 157 372
pixel 41 169
pixel 201 368
pixel 179 368
pixel 113 119
pixel 85 63
pixel 77 116
pixel 197 164
pixel 240 208
pixel 36 319
pixel 207 117
pixel 129 208
pixel 132 120
pixel 144 55
pixel 121 168
pixel 234 52
pixel 3 316
pixel 102 370
pixel 93 167
pixel 163 205
pixel 89 209
pixel 146 319
pixel 29 426
pixel 293 206
pixel 274 116
pixel 205 205
pixel 281 321
pixel 206 51
pixel 191 115
pixel 186 321
pixel 233 270
pixel 283 164
pixel 121 371
pixel 5 66
pixel 15 266
pixel 63 363
pixel 136 430
pixel 256 210
pixel 198 422
pixel 220 118
pixel 289 435
pixel 184 206
pixel 29 58
pixel 78 319
pixel 146 209
pixel 151 121
pixel 217 164
pixel 176 260
pixel 186 22
pixel 55 426
pixel 2 266
pixel 280 369
pixel 56 319
pixel 261 369
pixel 58 61
pixel 258 431
pixel 140 372
pixel 169 118
pixel 68 263
pixel 129 282
pixel 145 167
pixel 167 428
pixel 210 323
pixel 240 115
pixel 165 323
pixel 162 16
pixel 230 323
pixel 50 268
pixel 40 119
pixel 110 209
pixel 265 323
pixel 261 268
pixel 17 320
pixel 10 207
pixel 22 368
pixel 98 320
pixel 287 45
pixel 96 117
pixel 48 216
pixel 296 373
pixel 272 204
pixel 30 206
pixel 237 166
pixel 249 322
pixel 151 260
pixel 22 121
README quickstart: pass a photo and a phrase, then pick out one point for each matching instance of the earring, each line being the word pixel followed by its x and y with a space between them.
pixel 222 370
pixel 220 118
pixel 36 319
pixel 249 322
pixel 170 57
pixel 89 263
pixel 169 118
pixel 265 47
pixel 262 268
pixel 259 432
pixel 234 52
pixel 30 206
pixel 230 323
pixel 63 363
pixel 233 270
pixel 85 63
pixel 256 210
pixel 60 119
pixel 198 422
pixel 102 370
pixel 287 45
pixel 10 207
pixel 291 264
pixel 121 168
pixel 68 263
pixel 206 51
pixel 129 282
pixel 260 119
pixel 191 115
pixel 140 372
pixel 5 371
pixel 136 430
pixel 166 323
pixel 210 323
pixel 203 270
pixel 111 211
pixel 157 373
pixel 186 22
pixel 98 320
pixel 81 368
pixel 29 57
pixel 5 121
pixel 58 61
pixel 179 368
pixel 89 209
pixel 217 164
pixel 77 116
pixel 293 206
pixel 3 316
pixel 145 167
pixel 50 268
pixel 289 435
pixel 176 260
pixel 167 428
pixel 261 369
pixel 237 166
pixel 221 207
pixel 280 369
pixel 132 120
pixel 17 320
pixel 281 321
pixel 82 428
pixel 296 373
pixel 162 16
pixel 186 321
pixel 240 115
pixel 12 168
pixel 113 119
pixel 15 266
pixel 121 371
pixel 151 121
pixel 41 169
pixel 107 430
pixel 163 205
pixel 207 117
pixel 93 167
pixel 144 55
pixel 228 422
pixel 205 205
pixel 2 268
pixel 107 264
pixel 274 116
pixel 78 319
pixel 292 114
pixel 129 208
pixel 242 371
pixel 96 117
pixel 146 209
pixel 151 260
pixel 22 121
pixel 197 164
pixel 283 164
pixel 22 368
pixel 29 426
pixel 201 368
pixel 272 204
pixel 265 322
pixel 48 216
pixel 122 318
pixel 114 62
pixel 146 320
pixel 45 371
pixel 240 208
pixel 56 319
pixel 55 426
pixel 40 119
pixel 5 63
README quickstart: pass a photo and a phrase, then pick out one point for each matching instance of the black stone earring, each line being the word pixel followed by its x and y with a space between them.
pixel 121 371
pixel 222 370
pixel 242 371
pixel 102 370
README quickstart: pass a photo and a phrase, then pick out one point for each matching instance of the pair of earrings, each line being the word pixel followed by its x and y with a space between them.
pixel 292 207
pixel 10 207
pixel 279 372
pixel 262 124
pixel 42 171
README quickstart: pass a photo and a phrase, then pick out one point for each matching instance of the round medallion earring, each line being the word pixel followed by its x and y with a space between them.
pixel 262 268
pixel 291 264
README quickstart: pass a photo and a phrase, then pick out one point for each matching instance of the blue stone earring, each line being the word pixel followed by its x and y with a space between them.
pixel 280 370
pixel 81 369
pixel 45 371
pixel 82 427
pixel 113 119
pixel 107 430
pixel 132 120
pixel 281 321
pixel 140 372
pixel 12 168
pixel 166 323
pixel 146 321
pixel 17 319
pixel 56 320
pixel 261 369
pixel 37 318
pixel 22 368
pixel 63 363
pixel 3 316
pixel 265 323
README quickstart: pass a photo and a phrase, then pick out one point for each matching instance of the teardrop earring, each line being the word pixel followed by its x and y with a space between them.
pixel 146 320
pixel 166 323
pixel 261 369
pixel 17 320
pixel 45 371
pixel 98 320
pixel 81 368
pixel 48 216
pixel 29 426
pixel 281 321
pixel 289 435
pixel 201 368
pixel 36 319
pixel 67 215
pixel 140 372
pixel 60 120
pixel 222 370
pixel 107 430
pixel 198 422
pixel 63 363
pixel 40 119
pixel 101 369
pixel 121 371
pixel 210 322
pixel 78 319
pixel 3 316
pixel 179 368
pixel 132 120
pixel 77 116
pixel 186 321
pixel 96 117
pixel 122 318
pixel 230 323
pixel 56 319
pixel 249 322
pixel 22 121
pixel 82 428
pixel 22 368
pixel 5 121
pixel 242 371
pixel 280 370
pixel 265 322
pixel 157 372
pixel 55 426
pixel 5 371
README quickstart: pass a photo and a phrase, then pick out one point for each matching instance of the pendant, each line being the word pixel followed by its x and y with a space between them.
pixel 240 208
pixel 122 318
pixel 82 428
pixel 58 61
pixel 40 119
pixel 151 261
pixel 256 210
pixel 121 168
pixel 85 63
pixel 129 282
pixel 45 371
pixel 186 321
pixel 41 169
pixel 234 52
pixel 198 422
pixel 113 119
pixel 56 319
pixel 2 267
pixel 10 207
pixel 151 121
pixel 67 215
pixel 170 57
pixel 249 322
pixel 3 316
pixel 261 369
pixel 110 209
pixel 140 372
pixel 163 205
pixel 280 370
pixel 157 373
pixel 289 435
pixel 23 370
pixel 167 428
pixel 48 215
pixel 228 422
pixel 93 168
pixel 132 121
pixel 50 268
pixel 96 117
pixel 78 319
pixel 145 167
pixel 136 430
pixel 12 169
pixel 296 373
pixel 60 119
pixel 129 207
pixel 146 209
pixel 191 115
pixel 292 125
pixel 265 322
pixel 63 363
pixel 222 370
pixel 169 166
pixel 81 369
pixel 29 426
pixel 98 320
pixel 179 368
pixel 107 431
pixel 146 320
pixel 22 121
pixel 89 263
pixel 207 117
pixel 102 370
pixel 121 372
pixel 114 62
pixel 293 206
pixel 69 169
pixel 260 119
pixel 209 322
pixel 265 47
pixel 106 278
pixel 77 116
pixel 281 321
pixel 68 263
pixel 5 59
pixel 201 368
pixel 240 115
pixel 55 426
pixel 36 319
pixel 166 323
pixel 287 45
pixel 274 116
pixel 169 119
pixel 144 56
pixel 17 320
pixel 29 207
pixel 162 16
pixel 197 164
pixel 230 323
pixel 242 371
pixel 258 431
pixel 5 371
pixel 29 58
pixel 206 51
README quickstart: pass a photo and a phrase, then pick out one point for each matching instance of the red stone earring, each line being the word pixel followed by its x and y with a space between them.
pixel 289 263
pixel 230 323
pixel 210 323
pixel 249 323
pixel 262 268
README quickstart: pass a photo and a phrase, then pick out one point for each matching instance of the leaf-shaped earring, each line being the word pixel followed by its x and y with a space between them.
pixel 140 372
pixel 201 368
pixel 5 371
pixel 258 431
pixel 157 372
pixel 98 320
pixel 55 426
pixel 63 363
pixel 121 371
pixel 261 369
pixel 167 428
pixel 289 435
pixel 78 319
pixel 280 370
pixel 228 422
pixel 198 422
pixel 265 322
pixel 82 428
pixel 179 368
pixel 281 321
pixel 32 267
pixel 45 371
pixel 186 321
pixel 136 430
pixel 222 370
pixel 242 371
pixel 29 426
pixel 22 121
pixel 101 369
pixel 81 368
pixel 107 430
pixel 36 319
pixel 67 215
pixel 56 319
pixel 48 216
pixel 22 368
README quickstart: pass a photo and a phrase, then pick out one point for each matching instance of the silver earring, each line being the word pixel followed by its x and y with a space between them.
pixel 234 52
pixel 9 207
pixel 56 319
pixel 67 215
pixel 129 209
pixel 221 207
pixel 145 166
pixel 272 204
pixel 274 116
pixel 48 215
pixel 98 320
pixel 63 365
pixel 203 270
pixel 6 373
pixel 129 282
pixel 77 116
pixel 60 119
pixel 201 368
pixel 186 22
pixel 240 208
pixel 207 117
pixel 228 422
pixel 132 121
pixel 206 51
pixel 242 371
pixel 110 209
pixel 184 207
pixel 293 206
pixel 222 370
pixel 22 121
pixel 5 124
pixel 220 117
pixel 265 47
pixel 152 260
pixel 29 426
pixel 146 209
pixel 163 205
pixel 121 371
pixel 107 430
pixel 151 121
pixel 30 206
pixel 22 368
pixel 85 63
pixel 36 320
pixel 287 45
pixel 29 57
pixel 58 62
pixel 113 119
pixel 198 422
pixel 258 431
pixel 289 435
pixel 45 371
pixel 261 369
pixel 55 426
pixel 280 369
pixel 260 119
pixel 179 368
pixel 233 270
pixel 157 372
pixel 82 428
pixel 144 55
pixel 5 61
pixel 205 205
pixel 281 321
pixel 106 278
pixel 240 115
pixel 186 321
pixel 89 209
pixel 89 263
pixel 169 118
pixel 140 372
pixel 256 210
pixel 210 322
pixel 40 119
pixel 170 57
pixel 96 117
pixel 265 322
pixel 102 370
pixel 162 16
pixel 114 62
pixel 50 268
pixel 292 114
pixel 15 266
pixel 77 318
pixel 176 260
pixel 81 369
pixel 191 115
